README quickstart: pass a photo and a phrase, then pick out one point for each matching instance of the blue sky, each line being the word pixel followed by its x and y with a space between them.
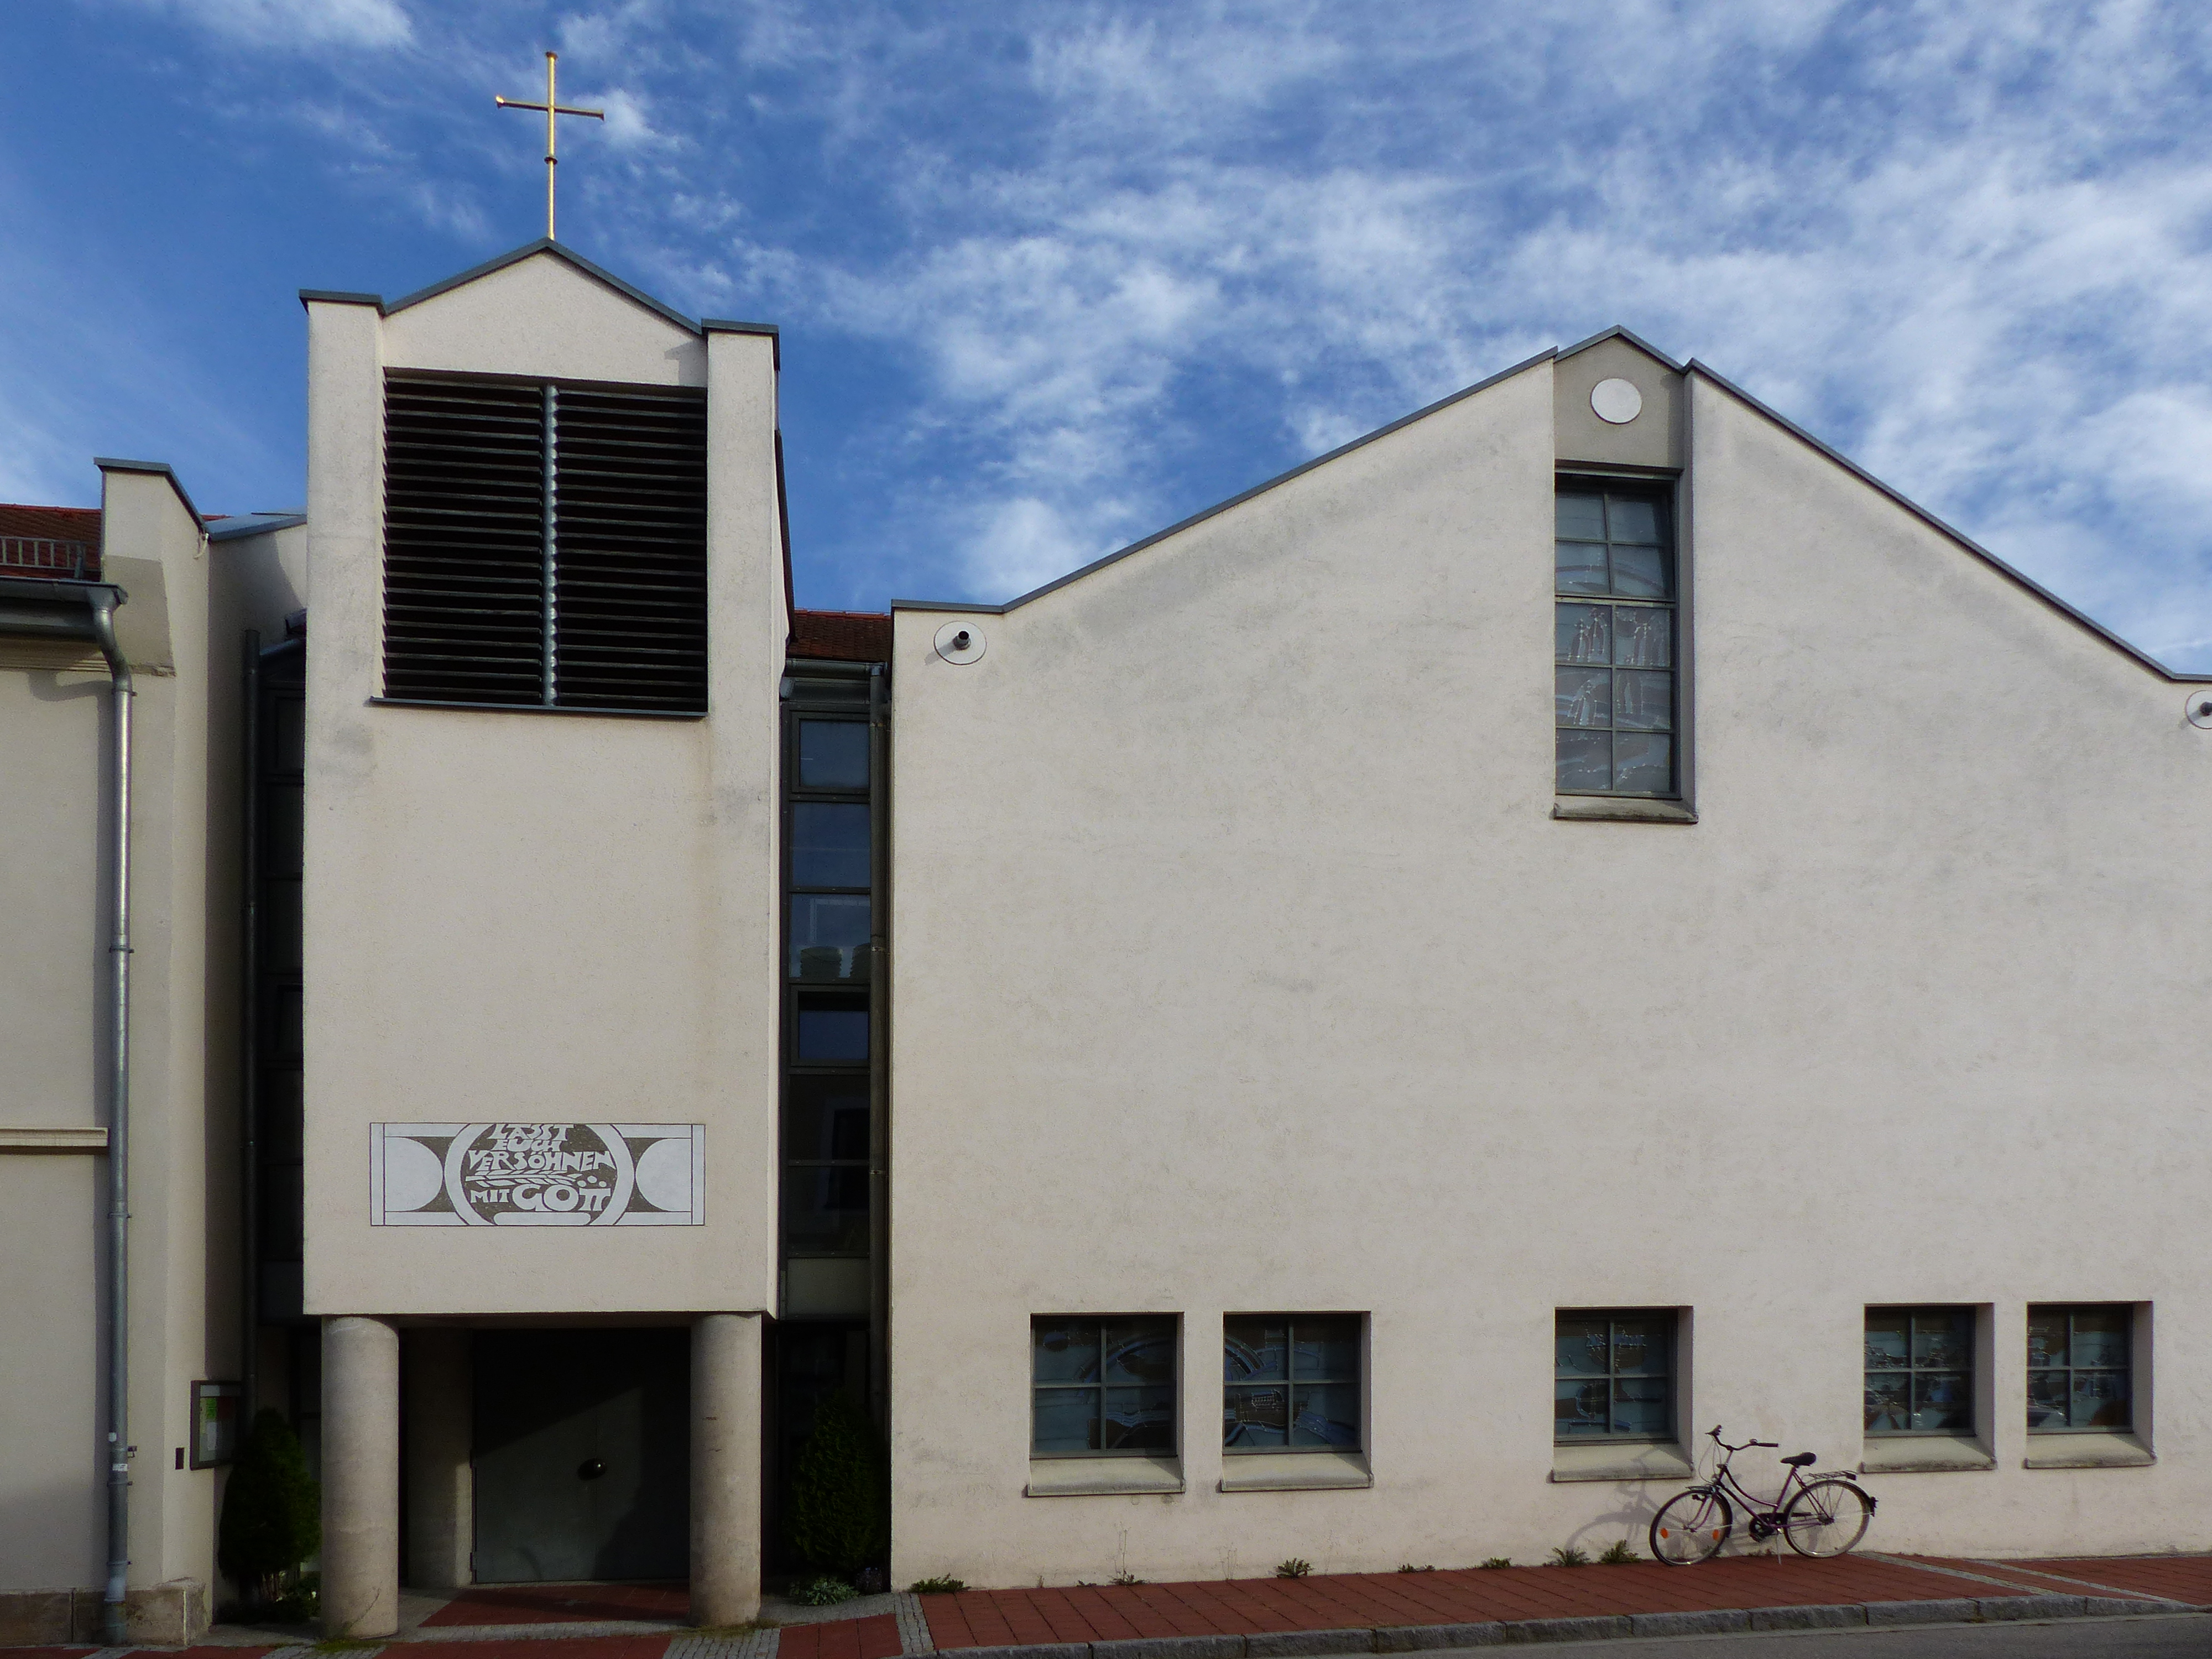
pixel 1052 276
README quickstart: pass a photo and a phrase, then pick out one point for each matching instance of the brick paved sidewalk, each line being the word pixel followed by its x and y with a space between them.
pixel 1350 1612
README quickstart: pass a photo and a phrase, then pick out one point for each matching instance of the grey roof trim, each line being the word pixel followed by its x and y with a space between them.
pixel 109 463
pixel 331 296
pixel 1958 536
pixel 253 524
pixel 728 325
pixel 51 587
pixel 516 256
pixel 1201 516
pixel 1617 332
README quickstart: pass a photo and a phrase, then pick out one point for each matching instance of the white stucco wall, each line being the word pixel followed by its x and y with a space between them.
pixel 56 730
pixel 539 917
pixel 1242 966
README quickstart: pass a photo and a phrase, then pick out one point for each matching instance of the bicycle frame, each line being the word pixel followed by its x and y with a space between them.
pixel 1763 1517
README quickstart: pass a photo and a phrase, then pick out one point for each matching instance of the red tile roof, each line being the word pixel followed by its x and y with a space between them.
pixel 841 636
pixel 37 541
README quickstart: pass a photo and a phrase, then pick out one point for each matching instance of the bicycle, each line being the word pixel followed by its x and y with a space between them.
pixel 1821 1516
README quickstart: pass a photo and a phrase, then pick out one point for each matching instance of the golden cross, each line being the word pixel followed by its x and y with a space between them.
pixel 552 106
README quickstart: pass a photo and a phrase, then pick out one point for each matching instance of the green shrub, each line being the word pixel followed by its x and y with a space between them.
pixel 1408 1566
pixel 1568 1556
pixel 943 1584
pixel 823 1592
pixel 1495 1561
pixel 1618 1555
pixel 272 1519
pixel 839 1516
pixel 1297 1567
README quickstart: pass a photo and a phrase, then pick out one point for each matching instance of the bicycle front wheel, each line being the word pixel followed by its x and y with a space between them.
pixel 1691 1526
pixel 1827 1518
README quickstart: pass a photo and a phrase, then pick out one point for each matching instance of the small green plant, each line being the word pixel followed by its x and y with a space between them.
pixel 944 1584
pixel 272 1521
pixel 1496 1561
pixel 1568 1556
pixel 1125 1578
pixel 839 1515
pixel 1408 1566
pixel 822 1591
pixel 1617 1555
pixel 1297 1567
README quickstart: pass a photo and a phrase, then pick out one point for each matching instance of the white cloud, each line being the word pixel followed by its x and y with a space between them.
pixel 298 23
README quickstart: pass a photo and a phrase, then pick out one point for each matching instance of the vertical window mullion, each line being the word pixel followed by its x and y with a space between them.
pixel 552 525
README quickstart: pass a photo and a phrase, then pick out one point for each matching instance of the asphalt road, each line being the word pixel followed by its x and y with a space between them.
pixel 2182 1636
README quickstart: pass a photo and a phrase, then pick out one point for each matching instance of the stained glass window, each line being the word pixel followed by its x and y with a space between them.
pixel 1613 1375
pixel 2080 1368
pixel 1290 1382
pixel 1102 1386
pixel 1614 678
pixel 1919 1370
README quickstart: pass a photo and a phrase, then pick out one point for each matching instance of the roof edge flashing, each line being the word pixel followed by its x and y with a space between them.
pixel 1953 532
pixel 1619 332
pixel 331 296
pixel 544 244
pixel 160 469
pixel 1548 355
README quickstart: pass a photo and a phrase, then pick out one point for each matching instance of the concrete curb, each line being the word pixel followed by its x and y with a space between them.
pixel 1597 1627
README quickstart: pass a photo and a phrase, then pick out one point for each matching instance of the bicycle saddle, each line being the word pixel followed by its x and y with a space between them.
pixel 1803 1459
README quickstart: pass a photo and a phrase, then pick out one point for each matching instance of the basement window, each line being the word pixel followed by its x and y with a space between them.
pixel 544 545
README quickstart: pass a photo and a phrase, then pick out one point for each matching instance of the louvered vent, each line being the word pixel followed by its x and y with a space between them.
pixel 464 542
pixel 545 546
pixel 629 615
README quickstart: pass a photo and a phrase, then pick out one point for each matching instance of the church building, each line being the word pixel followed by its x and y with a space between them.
pixel 1218 1059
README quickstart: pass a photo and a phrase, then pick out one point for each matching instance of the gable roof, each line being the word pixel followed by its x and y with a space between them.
pixel 1693 367
pixel 567 255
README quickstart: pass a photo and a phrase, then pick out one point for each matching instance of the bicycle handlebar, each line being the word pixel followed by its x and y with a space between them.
pixel 1715 1432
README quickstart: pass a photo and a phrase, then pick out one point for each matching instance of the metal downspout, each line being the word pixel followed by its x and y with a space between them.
pixel 118 1310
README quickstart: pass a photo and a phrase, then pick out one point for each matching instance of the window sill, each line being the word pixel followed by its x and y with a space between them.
pixel 1621 809
pixel 1912 1454
pixel 2087 1451
pixel 1664 1462
pixel 1097 1477
pixel 1294 1471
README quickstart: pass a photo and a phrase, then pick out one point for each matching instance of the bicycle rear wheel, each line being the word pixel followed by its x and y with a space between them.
pixel 1825 1518
pixel 1691 1526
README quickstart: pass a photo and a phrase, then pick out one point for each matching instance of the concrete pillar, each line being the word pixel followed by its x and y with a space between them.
pixel 726 1468
pixel 441 1485
pixel 361 1477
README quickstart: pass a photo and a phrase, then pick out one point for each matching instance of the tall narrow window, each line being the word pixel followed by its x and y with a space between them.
pixel 2080 1368
pixel 827 875
pixel 1919 1370
pixel 1614 645
pixel 1613 1375
pixel 544 545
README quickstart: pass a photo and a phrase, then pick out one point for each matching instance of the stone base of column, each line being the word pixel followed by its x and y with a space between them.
pixel 726 1468
pixel 361 1477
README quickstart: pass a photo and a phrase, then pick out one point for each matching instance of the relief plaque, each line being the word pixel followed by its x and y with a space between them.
pixel 537 1175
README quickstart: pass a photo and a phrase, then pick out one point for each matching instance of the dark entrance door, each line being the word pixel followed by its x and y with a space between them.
pixel 581 1455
